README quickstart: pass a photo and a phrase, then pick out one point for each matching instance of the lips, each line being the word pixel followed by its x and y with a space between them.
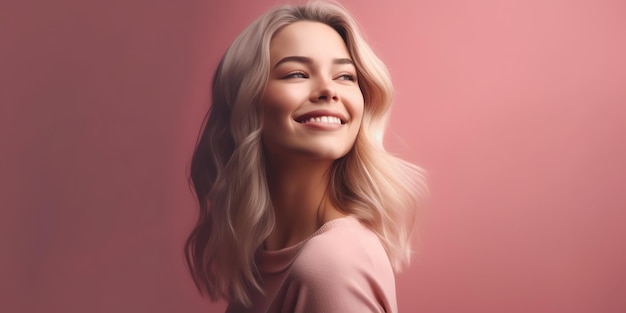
pixel 321 116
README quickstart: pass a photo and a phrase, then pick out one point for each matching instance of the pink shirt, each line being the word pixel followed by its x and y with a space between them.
pixel 341 268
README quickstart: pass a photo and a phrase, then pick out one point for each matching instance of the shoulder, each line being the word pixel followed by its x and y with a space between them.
pixel 344 244
pixel 344 266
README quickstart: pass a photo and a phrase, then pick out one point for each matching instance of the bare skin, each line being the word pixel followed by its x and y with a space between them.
pixel 301 205
pixel 312 111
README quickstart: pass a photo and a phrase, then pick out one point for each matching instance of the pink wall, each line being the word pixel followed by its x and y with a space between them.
pixel 516 108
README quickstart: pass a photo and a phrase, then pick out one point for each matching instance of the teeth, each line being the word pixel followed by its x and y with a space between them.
pixel 324 119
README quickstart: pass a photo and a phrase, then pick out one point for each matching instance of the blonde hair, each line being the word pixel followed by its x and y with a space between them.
pixel 228 173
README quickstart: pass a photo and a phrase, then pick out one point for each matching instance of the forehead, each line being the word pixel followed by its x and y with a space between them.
pixel 310 39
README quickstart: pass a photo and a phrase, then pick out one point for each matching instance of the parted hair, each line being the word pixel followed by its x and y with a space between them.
pixel 228 166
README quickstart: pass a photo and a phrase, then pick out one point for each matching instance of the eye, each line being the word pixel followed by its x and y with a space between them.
pixel 295 75
pixel 349 77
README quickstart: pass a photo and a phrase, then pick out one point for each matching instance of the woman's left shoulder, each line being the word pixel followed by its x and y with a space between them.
pixel 342 268
pixel 345 245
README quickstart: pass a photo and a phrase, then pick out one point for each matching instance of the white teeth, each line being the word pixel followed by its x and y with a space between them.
pixel 324 119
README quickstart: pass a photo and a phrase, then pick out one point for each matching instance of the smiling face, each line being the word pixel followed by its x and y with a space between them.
pixel 312 106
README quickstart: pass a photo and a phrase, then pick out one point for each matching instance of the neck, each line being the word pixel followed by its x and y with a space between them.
pixel 299 196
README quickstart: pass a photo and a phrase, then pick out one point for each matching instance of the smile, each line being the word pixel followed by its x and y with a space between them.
pixel 323 119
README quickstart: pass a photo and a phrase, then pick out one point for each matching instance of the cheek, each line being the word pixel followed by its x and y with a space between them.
pixel 272 106
pixel 279 102
pixel 357 106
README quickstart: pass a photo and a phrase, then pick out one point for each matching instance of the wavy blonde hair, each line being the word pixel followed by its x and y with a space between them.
pixel 228 166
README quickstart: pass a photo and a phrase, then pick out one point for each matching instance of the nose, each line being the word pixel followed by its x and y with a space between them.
pixel 324 92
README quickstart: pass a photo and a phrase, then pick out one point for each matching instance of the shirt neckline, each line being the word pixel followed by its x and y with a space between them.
pixel 273 261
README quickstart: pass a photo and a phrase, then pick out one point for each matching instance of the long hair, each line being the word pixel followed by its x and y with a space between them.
pixel 228 166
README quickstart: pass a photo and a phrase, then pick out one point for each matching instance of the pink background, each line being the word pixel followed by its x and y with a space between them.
pixel 516 108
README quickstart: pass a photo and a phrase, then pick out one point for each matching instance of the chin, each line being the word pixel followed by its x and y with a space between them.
pixel 330 154
pixel 319 151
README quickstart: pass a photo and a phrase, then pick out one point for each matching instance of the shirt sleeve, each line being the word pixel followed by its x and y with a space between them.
pixel 345 272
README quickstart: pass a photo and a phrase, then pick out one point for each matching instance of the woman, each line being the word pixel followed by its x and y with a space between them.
pixel 301 208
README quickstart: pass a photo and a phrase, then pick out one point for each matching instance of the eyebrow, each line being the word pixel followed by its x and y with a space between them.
pixel 307 60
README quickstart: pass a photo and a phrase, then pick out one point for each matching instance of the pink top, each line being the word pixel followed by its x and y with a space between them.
pixel 342 267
